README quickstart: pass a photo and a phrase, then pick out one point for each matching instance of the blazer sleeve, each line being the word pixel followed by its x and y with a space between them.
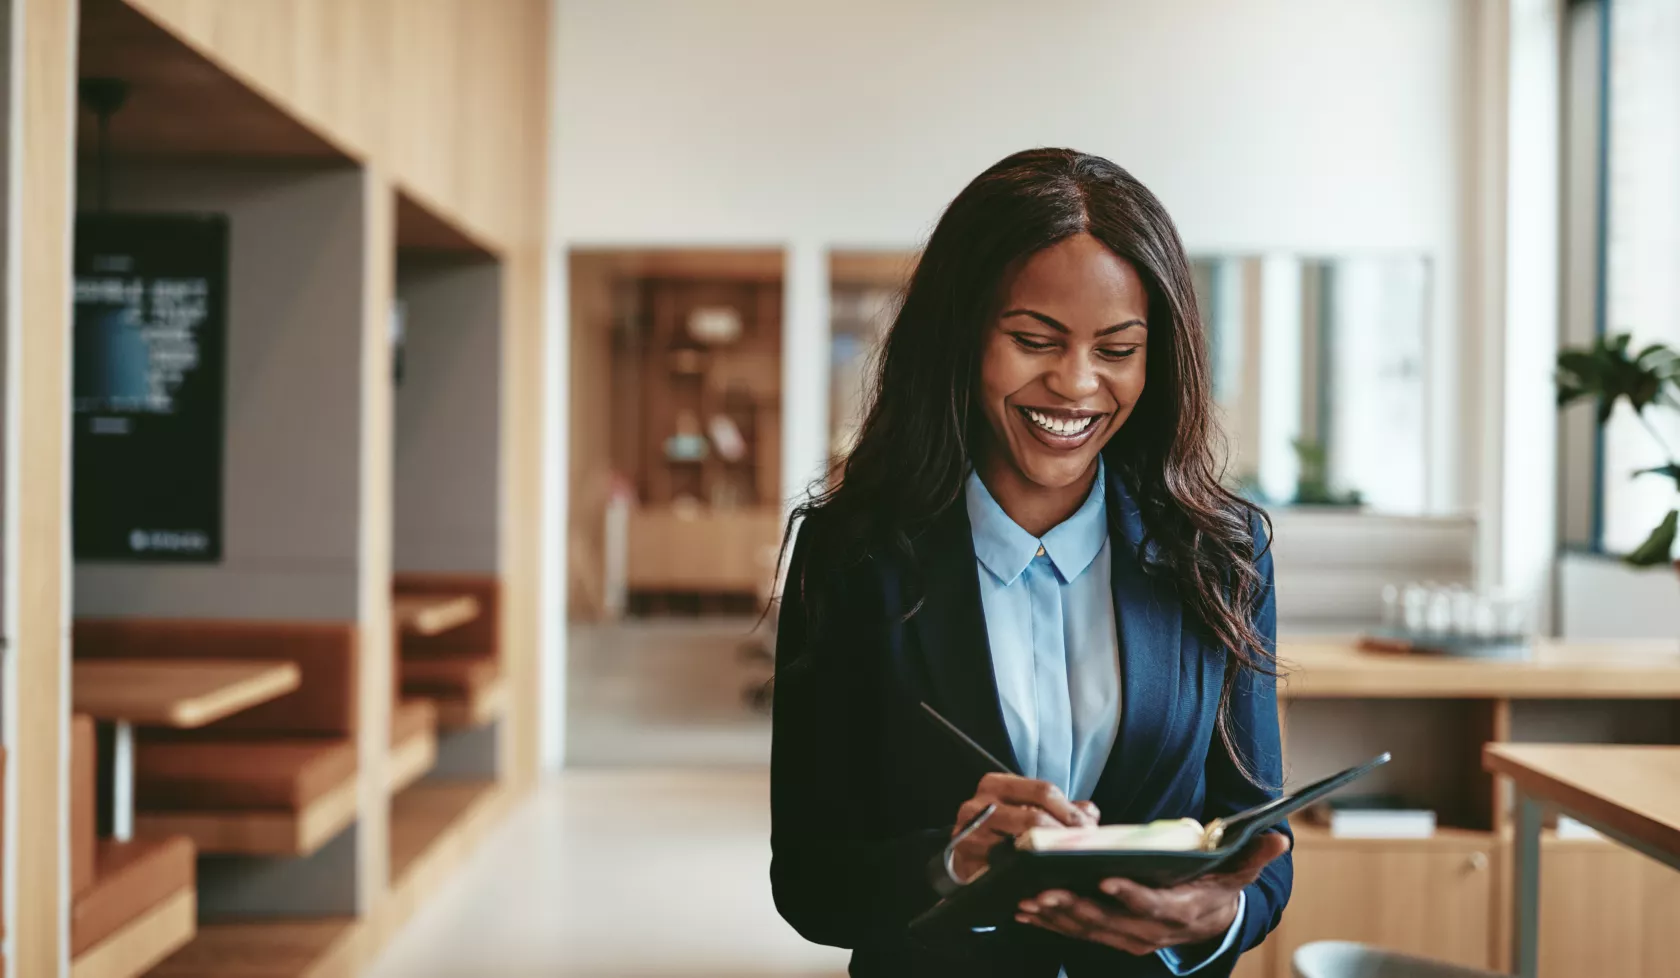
pixel 1254 728
pixel 837 879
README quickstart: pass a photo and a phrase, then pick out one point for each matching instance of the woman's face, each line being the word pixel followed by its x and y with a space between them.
pixel 1063 362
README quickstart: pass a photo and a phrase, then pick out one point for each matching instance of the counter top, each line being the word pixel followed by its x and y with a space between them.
pixel 1336 668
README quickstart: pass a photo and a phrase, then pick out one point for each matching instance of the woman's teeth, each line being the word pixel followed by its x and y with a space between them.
pixel 1066 427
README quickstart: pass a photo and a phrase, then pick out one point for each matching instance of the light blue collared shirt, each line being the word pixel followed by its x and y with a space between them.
pixel 1051 623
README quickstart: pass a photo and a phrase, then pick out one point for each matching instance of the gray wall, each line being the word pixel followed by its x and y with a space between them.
pixel 448 410
pixel 291 460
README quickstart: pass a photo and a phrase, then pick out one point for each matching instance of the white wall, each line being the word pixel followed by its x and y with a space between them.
pixel 1265 125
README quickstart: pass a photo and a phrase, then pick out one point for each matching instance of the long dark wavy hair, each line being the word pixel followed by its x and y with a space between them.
pixel 914 450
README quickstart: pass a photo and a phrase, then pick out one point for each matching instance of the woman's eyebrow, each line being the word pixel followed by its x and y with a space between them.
pixel 1058 327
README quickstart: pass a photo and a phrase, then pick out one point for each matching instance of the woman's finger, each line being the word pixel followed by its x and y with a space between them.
pixel 1016 790
pixel 1083 919
pixel 1010 821
pixel 1255 856
pixel 1135 898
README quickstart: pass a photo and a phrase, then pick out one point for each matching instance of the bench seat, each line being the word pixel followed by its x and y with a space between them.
pixel 413 743
pixel 469 690
pixel 280 796
pixel 239 773
pixel 130 879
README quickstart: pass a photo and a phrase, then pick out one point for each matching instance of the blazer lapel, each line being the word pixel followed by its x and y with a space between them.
pixel 1149 618
pixel 950 627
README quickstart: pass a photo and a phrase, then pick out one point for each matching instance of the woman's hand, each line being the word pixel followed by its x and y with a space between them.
pixel 1022 804
pixel 1141 920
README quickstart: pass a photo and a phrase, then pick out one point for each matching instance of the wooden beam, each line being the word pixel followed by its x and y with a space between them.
pixel 45 43
pixel 375 667
pixel 180 104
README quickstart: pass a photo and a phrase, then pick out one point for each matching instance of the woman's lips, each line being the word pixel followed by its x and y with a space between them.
pixel 1061 430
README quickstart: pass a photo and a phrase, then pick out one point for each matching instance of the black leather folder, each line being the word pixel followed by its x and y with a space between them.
pixel 1014 874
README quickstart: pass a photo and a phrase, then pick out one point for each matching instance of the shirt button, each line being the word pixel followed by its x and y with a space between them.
pixel 1040 552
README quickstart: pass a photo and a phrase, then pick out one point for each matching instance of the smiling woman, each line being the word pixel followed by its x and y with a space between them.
pixel 1062 368
pixel 1029 536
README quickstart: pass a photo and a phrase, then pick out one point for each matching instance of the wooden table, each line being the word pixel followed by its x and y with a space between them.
pixel 432 614
pixel 177 693
pixel 1630 794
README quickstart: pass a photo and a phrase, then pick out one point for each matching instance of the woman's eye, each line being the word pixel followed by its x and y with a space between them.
pixel 1028 342
pixel 1111 353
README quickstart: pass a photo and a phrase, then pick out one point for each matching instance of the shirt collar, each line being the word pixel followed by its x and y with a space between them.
pixel 1005 549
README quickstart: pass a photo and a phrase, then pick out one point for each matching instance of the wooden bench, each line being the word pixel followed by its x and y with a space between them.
pixel 459 668
pixel 469 690
pixel 246 794
pixel 133 903
pixel 278 779
pixel 413 743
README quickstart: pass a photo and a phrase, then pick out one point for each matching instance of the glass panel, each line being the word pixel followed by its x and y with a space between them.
pixel 1318 371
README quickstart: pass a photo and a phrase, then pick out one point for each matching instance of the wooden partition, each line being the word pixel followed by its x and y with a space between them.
pixel 317 136
pixel 447 504
pixel 40 323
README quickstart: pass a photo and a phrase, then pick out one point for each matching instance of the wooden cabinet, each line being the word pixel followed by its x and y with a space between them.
pixel 711 552
pixel 1258 963
pixel 1606 910
pixel 1430 897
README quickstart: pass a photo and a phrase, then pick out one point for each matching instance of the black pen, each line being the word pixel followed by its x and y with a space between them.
pixel 974 746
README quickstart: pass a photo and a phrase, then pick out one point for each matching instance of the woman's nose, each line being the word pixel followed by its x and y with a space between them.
pixel 1074 377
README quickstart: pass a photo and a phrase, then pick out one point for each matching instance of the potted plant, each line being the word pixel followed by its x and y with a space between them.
pixel 1648 380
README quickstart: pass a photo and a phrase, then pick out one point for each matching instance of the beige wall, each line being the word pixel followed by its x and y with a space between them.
pixel 446 498
pixel 291 463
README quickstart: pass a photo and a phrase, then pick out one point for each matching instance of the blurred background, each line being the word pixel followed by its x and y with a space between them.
pixel 484 348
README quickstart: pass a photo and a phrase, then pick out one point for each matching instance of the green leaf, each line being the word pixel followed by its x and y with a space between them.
pixel 1672 470
pixel 1659 545
pixel 1607 373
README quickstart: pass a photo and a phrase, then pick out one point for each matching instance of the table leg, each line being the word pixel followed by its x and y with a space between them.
pixel 122 781
pixel 1525 892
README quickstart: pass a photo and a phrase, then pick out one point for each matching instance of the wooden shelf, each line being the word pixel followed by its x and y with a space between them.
pixel 286 949
pixel 141 944
pixel 428 815
pixel 259 833
pixel 1338 669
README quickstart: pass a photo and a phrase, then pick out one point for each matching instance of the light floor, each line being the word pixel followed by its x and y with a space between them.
pixel 650 856
pixel 613 874
pixel 663 693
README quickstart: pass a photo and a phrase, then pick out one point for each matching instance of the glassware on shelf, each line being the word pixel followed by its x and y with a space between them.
pixel 1440 614
pixel 1454 619
pixel 1392 615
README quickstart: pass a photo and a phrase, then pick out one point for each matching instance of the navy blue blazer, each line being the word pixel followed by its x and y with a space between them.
pixel 864 790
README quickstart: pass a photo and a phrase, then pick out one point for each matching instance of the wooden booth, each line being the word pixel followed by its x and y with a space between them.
pixel 280 266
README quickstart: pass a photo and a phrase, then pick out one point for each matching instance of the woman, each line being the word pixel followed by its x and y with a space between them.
pixel 1031 537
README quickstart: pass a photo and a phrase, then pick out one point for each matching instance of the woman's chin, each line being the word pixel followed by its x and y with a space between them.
pixel 1057 473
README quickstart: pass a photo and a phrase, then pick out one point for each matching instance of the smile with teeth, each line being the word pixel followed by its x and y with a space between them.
pixel 1060 426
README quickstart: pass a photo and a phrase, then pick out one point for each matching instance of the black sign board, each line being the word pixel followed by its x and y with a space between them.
pixel 150 348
